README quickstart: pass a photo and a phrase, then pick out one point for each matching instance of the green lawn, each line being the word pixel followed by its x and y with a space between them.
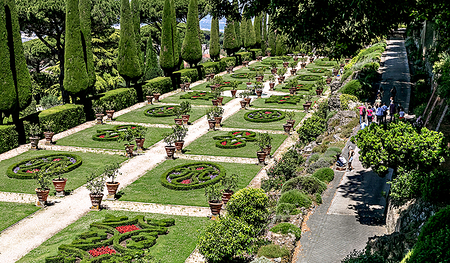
pixel 206 145
pixel 76 178
pixel 238 121
pixel 175 99
pixel 14 212
pixel 260 103
pixel 149 189
pixel 138 116
pixel 175 247
pixel 84 138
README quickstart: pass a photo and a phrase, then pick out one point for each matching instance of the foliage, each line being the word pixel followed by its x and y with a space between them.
pixel 151 68
pixel 225 238
pixel 112 171
pixel 307 184
pixel 230 182
pixel 8 138
pixel 214 49
pixel 286 166
pixel 158 85
pixel 285 228
pixel 64 117
pixel 235 139
pixel 229 39
pixel 286 209
pixel 180 132
pixel 296 198
pixel 311 128
pixel 42 179
pixel 264 115
pixel 323 162
pixel 280 45
pixel 362 257
pixel 191 50
pixel 442 70
pixel 250 206
pixel 170 49
pixel 85 7
pixel 213 193
pixel 113 133
pixel 324 174
pixel 345 98
pixel 283 99
pixel 49 101
pixel 192 73
pixel 273 251
pixel 95 184
pixel 122 98
pixel 355 88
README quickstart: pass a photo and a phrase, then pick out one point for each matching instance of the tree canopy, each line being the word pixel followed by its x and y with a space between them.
pixel 191 51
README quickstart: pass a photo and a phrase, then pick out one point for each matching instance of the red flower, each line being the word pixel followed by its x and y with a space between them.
pixel 282 100
pixel 101 136
pixel 200 168
pixel 268 112
pixel 195 96
pixel 101 251
pixel 237 143
pixel 57 159
pixel 170 108
pixel 247 133
pixel 127 228
pixel 202 93
pixel 187 181
pixel 116 136
pixel 133 127
pixel 224 143
pixel 160 112
pixel 234 133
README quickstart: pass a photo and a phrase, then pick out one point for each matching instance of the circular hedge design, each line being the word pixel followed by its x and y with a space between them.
pixel 264 115
pixel 26 169
pixel 300 87
pixel 243 75
pixel 309 77
pixel 198 95
pixel 192 176
pixel 161 111
pixel 269 61
pixel 317 70
pixel 258 68
pixel 235 139
pixel 112 134
pixel 284 99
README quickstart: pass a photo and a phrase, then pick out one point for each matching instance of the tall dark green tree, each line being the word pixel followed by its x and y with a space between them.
pixel 229 38
pixel 152 68
pixel 214 47
pixel 85 7
pixel 136 14
pixel 237 29
pixel 244 33
pixel 170 49
pixel 191 51
pixel 257 27
pixel 281 48
pixel 15 88
pixel 128 62
pixel 252 33
pixel 264 32
pixel 272 36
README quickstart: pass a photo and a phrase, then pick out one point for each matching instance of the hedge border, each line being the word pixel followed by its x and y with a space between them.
pixel 317 70
pixel 315 77
pixel 277 99
pixel 122 97
pixel 9 138
pixel 104 132
pixel 189 95
pixel 161 115
pixel 264 120
pixel 248 138
pixel 168 185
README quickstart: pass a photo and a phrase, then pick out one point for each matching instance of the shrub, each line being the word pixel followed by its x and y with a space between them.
pixel 159 84
pixel 346 75
pixel 324 174
pixel 9 138
pixel 345 98
pixel 273 251
pixel 306 184
pixel 217 66
pixel 362 257
pixel 245 56
pixel 296 198
pixel 311 128
pixel 192 73
pixel 250 205
pixel 314 158
pixel 122 98
pixel 64 117
pixel 261 260
pixel 225 238
pixel 321 163
pixel 285 209
pixel 49 101
pixel 285 228
pixel 353 87
pixel 226 59
pixel 372 66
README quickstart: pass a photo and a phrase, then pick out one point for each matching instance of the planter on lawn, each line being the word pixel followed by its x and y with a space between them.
pixel 271 85
pixel 129 150
pixel 212 124
pixel 226 196
pixel 215 207
pixel 140 144
pixel 248 100
pixel 182 87
pixel 109 115
pixel 96 201
pixel 293 71
pixel 48 137
pixel 185 118
pixel 170 150
pixel 233 93
pixel 112 190
pixel 187 85
pixel 287 128
pixel 274 71
pixel 291 122
pixel 59 184
pixel 34 141
pixel 179 146
pixel 261 157
pixel 149 99
pixel 267 150
pixel 259 93
pixel 306 106
pixel 42 196
pixel 156 96
pixel 285 64
pixel 178 121
pixel 218 121
pixel 215 102
pixel 99 118
pixel 243 104
pixel 219 100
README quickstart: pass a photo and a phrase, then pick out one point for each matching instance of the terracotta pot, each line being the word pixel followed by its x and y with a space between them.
pixel 261 157
pixel 182 87
pixel 149 99
pixel 109 115
pixel 311 59
pixel 329 80
pixel 268 54
pixel 243 104
pixel 248 83
pixel 59 184
pixel 179 146
pixel 178 121
pixel 185 118
pixel 212 75
pixel 156 96
pixel 170 150
pixel 287 128
pixel 292 90
pixel 215 207
pixel 42 196
pixel 208 77
pixel 267 150
pixel 295 59
pixel 99 118
pixel 291 122
pixel 112 188
pixel 129 150
pixel 218 121
pixel 233 93
pixel 274 71
pixel 48 137
pixel 212 124
pixel 347 60
pixel 303 65
pixel 187 85
pixel 271 85
pixel 248 100
pixel 306 106
pixel 96 200
pixel 34 141
pixel 219 100
pixel 280 80
pixel 318 91
pixel 226 196
pixel 212 87
pixel 215 102
pixel 285 64
pixel 230 69
pixel 293 72
pixel 140 144
pixel 258 93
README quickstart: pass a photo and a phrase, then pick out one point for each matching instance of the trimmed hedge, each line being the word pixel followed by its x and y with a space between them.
pixel 185 172
pixel 325 174
pixel 264 115
pixel 235 139
pixel 192 73
pixel 64 117
pixel 197 95
pixel 161 111
pixel 111 134
pixel 218 66
pixel 123 98
pixel 318 70
pixel 296 198
pixel 226 59
pixel 307 184
pixel 300 87
pixel 286 209
pixel 309 77
pixel 285 228
pixel 256 52
pixel 246 56
pixel 159 84
pixel 9 138
pixel 284 99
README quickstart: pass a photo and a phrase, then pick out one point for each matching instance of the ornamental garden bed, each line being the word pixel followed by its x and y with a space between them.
pixel 192 176
pixel 148 188
pixel 226 86
pixel 261 103
pixel 284 99
pixel 197 95
pixel 318 70
pixel 161 111
pixel 174 246
pixel 14 212
pixel 112 134
pixel 264 115
pixel 84 138
pixel 138 116
pixel 243 75
pixel 91 162
pixel 207 145
pixel 238 121
pixel 324 63
pixel 176 99
pixel 309 77
pixel 300 87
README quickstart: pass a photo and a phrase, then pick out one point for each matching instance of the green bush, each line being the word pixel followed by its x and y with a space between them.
pixel 226 59
pixel 285 209
pixel 273 251
pixel 372 66
pixel 250 205
pixel 257 52
pixel 353 87
pixel 64 117
pixel 345 98
pixel 296 198
pixel 306 184
pixel 225 238
pixel 346 75
pixel 362 257
pixel 321 163
pixel 311 128
pixel 217 66
pixel 192 73
pixel 159 84
pixel 9 138
pixel 286 228
pixel 324 174
pixel 122 98
pixel 264 115
pixel 245 56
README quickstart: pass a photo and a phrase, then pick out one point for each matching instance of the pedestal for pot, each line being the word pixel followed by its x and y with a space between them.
pixel 59 186
pixel 185 119
pixel 129 150
pixel 215 207
pixel 96 201
pixel 170 151
pixel 226 196
pixel 218 121
pixel 179 146
pixel 219 100
pixel 99 118
pixel 287 128
pixel 42 197
pixel 34 141
pixel 48 137
pixel 112 190
pixel 243 104
pixel 156 96
pixel 140 144
pixel 149 99
pixel 109 115
pixel 212 125
pixel 178 121
pixel 261 157
pixel 233 93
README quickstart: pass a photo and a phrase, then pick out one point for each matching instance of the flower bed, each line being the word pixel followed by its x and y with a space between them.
pixel 198 95
pixel 161 111
pixel 235 139
pixel 283 99
pixel 242 75
pixel 309 77
pixel 300 87
pixel 27 168
pixel 103 236
pixel 112 134
pixel 192 176
pixel 127 228
pixel 264 115
pixel 258 68
pixel 317 70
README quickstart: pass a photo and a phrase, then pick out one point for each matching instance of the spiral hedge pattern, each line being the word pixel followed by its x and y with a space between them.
pixel 264 115
pixel 198 95
pixel 284 99
pixel 317 70
pixel 235 139
pixel 192 176
pixel 112 134
pixel 309 77
pixel 161 111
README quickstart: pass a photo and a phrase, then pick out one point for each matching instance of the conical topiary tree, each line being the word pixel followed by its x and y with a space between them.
pixel 170 49
pixel 191 51
pixel 281 46
pixel 257 28
pixel 264 33
pixel 252 33
pixel 15 88
pixel 237 29
pixel 214 47
pixel 272 36
pixel 152 68
pixel 136 14
pixel 244 32
pixel 85 7
pixel 229 38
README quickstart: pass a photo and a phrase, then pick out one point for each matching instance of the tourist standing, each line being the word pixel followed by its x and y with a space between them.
pixel 385 110
pixel 379 113
pixel 401 112
pixel 392 110
pixel 369 115
pixel 393 93
pixel 362 114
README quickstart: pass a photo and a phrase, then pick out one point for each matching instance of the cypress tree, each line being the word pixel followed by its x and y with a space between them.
pixel 128 62
pixel 237 29
pixel 251 33
pixel 75 71
pixel 15 81
pixel 272 36
pixel 214 47
pixel 170 50
pixel 136 14
pixel 152 68
pixel 244 33
pixel 264 33
pixel 191 50
pixel 281 46
pixel 258 31
pixel 229 38
pixel 85 7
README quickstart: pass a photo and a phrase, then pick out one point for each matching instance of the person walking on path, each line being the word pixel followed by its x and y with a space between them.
pixel 379 113
pixel 393 93
pixel 362 114
pixel 392 110
pixel 351 152
pixel 369 115
pixel 385 111
pixel 401 112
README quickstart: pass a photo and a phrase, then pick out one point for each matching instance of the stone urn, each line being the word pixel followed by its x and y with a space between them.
pixel 291 122
pixel 248 100
pixel 233 93
pixel 292 90
pixel 99 118
pixel 258 93
pixel 285 64
pixel 261 157
pixel 274 71
pixel 218 121
pixel 243 104
pixel 178 121
pixel 179 146
pixel 293 71
pixel 212 125
pixel 226 195
pixel 268 150
pixel 34 141
pixel 59 185
pixel 140 144
pixel 109 115
pixel 156 96
pixel 287 128
pixel 271 85
pixel 215 102
pixel 149 99
pixel 129 149
pixel 185 119
pixel 306 106
pixel 170 150
pixel 220 100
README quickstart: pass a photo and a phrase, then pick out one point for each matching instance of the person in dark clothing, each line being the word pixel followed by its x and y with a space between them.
pixel 392 110
pixel 393 92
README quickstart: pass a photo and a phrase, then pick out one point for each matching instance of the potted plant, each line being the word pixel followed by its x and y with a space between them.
pixel 303 60
pixel 214 196
pixel 261 143
pixel 110 109
pixel 180 133
pixel 35 132
pixel 247 98
pixel 293 87
pixel 209 73
pixel 98 110
pixel 95 184
pixel 59 182
pixel 293 69
pixel 258 89
pixel 43 187
pixel 149 97
pixel 268 143
pixel 268 51
pixel 320 85
pixel 185 108
pixel 230 66
pixel 211 120
pixel 186 83
pixel 281 73
pixel 218 113
pixel 285 61
pixel 230 184
pixel 219 97
pixel 215 101
pixel 139 138
pixel 250 76
pixel 311 57
pixel 260 75
pixel 234 86
pixel 290 115
pixel 48 127
pixel 128 136
pixel 112 171
pixel 308 102
pixel 329 75
pixel 274 69
pixel 243 101
pixel 271 82
pixel 169 139
pixel 156 94
pixel 178 112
